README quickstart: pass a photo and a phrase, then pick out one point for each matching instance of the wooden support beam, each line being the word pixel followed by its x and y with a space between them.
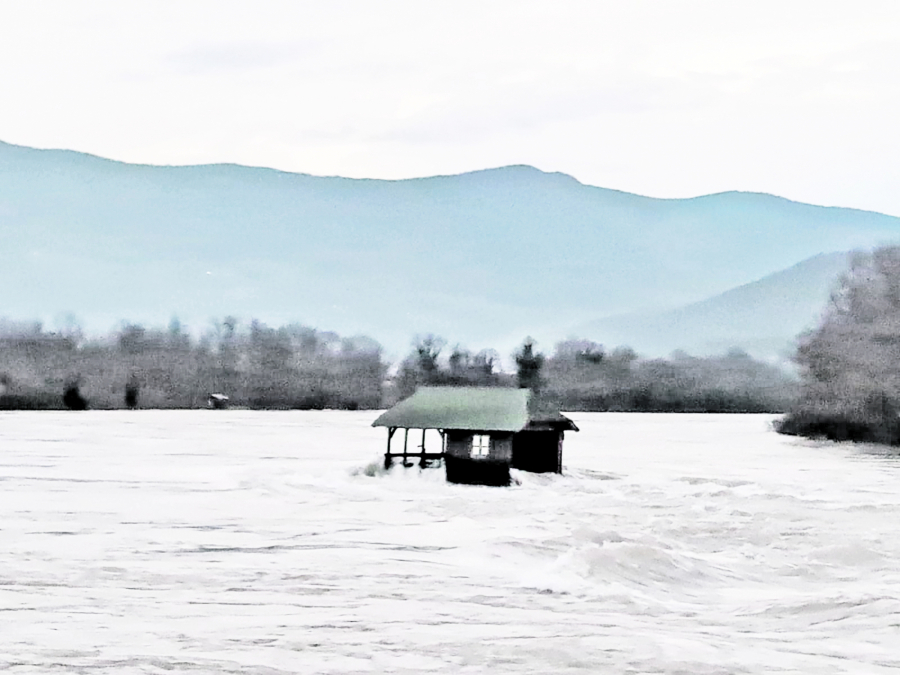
pixel 387 454
pixel 422 448
pixel 428 455
pixel 405 442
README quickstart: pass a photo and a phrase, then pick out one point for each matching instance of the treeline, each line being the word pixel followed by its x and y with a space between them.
pixel 581 375
pixel 850 364
pixel 255 366
pixel 297 367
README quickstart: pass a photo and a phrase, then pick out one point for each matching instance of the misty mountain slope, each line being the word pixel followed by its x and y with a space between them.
pixel 764 317
pixel 473 256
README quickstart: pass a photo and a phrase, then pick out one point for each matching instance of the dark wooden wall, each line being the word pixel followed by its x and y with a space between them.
pixel 459 444
pixel 537 451
pixel 491 470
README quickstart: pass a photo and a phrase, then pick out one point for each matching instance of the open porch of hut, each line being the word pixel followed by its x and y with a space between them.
pixel 484 431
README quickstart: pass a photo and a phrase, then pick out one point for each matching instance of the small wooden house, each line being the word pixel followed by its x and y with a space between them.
pixel 484 431
pixel 217 401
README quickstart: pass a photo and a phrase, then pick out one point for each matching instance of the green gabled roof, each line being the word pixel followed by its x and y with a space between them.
pixel 470 408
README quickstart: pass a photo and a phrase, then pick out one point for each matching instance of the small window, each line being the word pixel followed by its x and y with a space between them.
pixel 481 446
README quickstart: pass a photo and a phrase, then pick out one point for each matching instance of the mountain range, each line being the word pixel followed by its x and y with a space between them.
pixel 763 318
pixel 483 258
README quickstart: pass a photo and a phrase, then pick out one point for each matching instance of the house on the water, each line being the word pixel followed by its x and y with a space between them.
pixel 484 431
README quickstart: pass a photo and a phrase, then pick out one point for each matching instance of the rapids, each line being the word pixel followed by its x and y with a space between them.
pixel 269 542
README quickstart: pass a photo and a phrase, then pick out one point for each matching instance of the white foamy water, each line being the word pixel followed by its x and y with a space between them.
pixel 254 542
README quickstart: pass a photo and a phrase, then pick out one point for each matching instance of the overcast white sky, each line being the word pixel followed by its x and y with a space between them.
pixel 667 98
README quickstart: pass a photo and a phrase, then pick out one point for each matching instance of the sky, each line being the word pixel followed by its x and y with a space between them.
pixel 798 98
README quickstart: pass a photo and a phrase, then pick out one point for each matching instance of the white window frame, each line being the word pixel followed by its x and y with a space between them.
pixel 480 447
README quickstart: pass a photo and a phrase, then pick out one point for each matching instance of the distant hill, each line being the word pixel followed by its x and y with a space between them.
pixel 483 258
pixel 763 318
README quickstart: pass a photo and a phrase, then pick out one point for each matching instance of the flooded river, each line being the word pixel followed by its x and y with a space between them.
pixel 265 542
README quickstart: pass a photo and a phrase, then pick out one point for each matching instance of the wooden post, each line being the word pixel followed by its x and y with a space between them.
pixel 559 448
pixel 405 441
pixel 387 454
pixel 422 456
